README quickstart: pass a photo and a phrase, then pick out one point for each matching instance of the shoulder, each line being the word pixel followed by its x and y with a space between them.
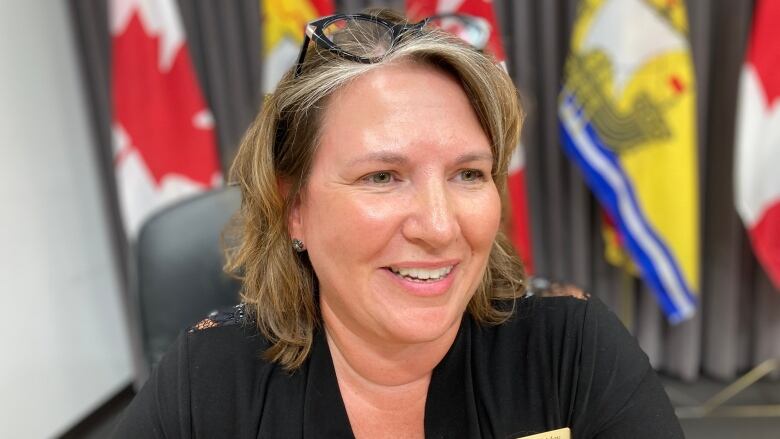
pixel 235 315
pixel 542 287
pixel 573 352
pixel 544 332
pixel 563 321
pixel 227 376
pixel 203 382
pixel 569 316
pixel 550 308
pixel 225 329
pixel 560 339
pixel 552 305
pixel 227 339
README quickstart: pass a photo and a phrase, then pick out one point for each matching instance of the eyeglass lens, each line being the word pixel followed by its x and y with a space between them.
pixel 473 30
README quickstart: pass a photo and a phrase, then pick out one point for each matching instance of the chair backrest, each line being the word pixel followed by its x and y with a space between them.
pixel 179 277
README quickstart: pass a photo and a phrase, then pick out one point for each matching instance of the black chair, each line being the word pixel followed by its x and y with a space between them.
pixel 179 277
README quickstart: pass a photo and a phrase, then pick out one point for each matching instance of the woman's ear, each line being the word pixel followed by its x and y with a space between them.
pixel 294 218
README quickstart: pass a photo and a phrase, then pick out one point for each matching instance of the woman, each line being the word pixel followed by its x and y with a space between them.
pixel 381 298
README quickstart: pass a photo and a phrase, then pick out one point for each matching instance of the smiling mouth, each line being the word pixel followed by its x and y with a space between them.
pixel 421 274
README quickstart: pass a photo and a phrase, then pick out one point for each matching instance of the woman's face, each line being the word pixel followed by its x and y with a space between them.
pixel 400 210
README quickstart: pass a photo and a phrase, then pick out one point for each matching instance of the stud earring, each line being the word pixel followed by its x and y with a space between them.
pixel 298 245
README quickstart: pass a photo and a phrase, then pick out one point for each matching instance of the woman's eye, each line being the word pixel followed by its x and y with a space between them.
pixel 380 178
pixel 472 175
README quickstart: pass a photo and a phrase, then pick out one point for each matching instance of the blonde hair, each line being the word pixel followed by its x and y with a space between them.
pixel 279 285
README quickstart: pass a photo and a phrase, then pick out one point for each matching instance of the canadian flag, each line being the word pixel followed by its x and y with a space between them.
pixel 757 155
pixel 520 230
pixel 164 143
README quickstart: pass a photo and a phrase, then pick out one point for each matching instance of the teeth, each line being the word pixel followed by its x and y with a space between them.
pixel 422 273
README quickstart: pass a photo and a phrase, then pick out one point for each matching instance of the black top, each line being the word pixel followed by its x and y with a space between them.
pixel 558 362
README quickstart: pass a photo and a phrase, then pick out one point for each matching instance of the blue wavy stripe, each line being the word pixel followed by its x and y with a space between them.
pixel 612 187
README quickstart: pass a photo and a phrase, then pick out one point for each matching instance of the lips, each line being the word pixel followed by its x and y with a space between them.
pixel 423 279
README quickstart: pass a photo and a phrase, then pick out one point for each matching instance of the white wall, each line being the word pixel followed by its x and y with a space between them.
pixel 63 341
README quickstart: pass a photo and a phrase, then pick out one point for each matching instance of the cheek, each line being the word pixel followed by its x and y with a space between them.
pixel 336 223
pixel 481 222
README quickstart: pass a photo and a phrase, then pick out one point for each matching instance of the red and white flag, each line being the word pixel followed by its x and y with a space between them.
pixel 164 143
pixel 757 155
pixel 520 230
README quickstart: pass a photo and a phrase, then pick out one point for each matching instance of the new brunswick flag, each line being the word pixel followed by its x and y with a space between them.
pixel 627 119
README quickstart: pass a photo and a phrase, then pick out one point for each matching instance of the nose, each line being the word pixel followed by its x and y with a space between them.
pixel 432 218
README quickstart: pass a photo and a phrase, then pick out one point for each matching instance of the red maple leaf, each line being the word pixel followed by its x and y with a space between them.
pixel 158 109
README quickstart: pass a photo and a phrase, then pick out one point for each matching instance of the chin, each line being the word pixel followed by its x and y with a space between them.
pixel 424 325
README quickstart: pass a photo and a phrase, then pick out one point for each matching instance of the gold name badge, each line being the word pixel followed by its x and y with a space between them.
pixel 561 433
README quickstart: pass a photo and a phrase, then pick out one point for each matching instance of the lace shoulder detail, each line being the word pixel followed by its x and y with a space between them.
pixel 539 286
pixel 235 315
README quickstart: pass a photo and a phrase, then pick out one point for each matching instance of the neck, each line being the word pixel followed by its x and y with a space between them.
pixel 384 384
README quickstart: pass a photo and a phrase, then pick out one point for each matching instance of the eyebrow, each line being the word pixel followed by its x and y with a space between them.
pixel 393 158
pixel 474 157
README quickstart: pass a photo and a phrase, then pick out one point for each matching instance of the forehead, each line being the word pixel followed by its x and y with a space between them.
pixel 399 105
pixel 394 84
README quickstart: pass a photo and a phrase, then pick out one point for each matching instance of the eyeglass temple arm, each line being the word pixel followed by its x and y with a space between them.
pixel 301 56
